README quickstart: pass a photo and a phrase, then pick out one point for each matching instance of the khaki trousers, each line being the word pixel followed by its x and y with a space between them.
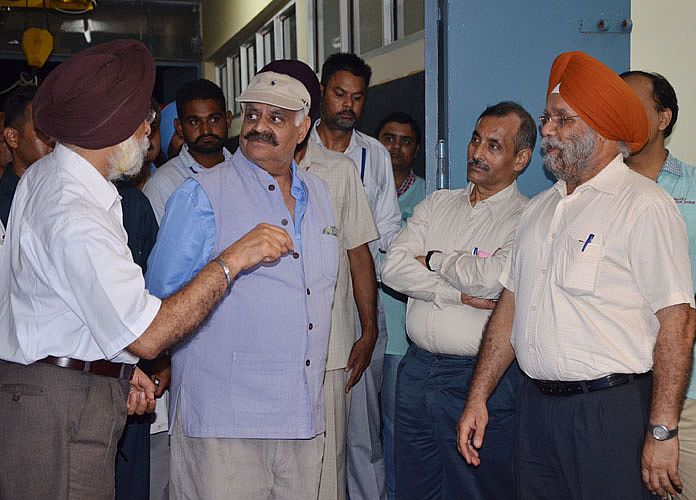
pixel 332 485
pixel 243 469
pixel 687 450
pixel 59 429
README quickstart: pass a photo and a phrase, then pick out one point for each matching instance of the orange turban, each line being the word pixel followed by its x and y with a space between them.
pixel 601 98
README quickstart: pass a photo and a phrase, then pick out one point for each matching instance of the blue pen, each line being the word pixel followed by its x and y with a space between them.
pixel 587 241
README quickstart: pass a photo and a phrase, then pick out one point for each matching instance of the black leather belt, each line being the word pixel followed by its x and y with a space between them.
pixel 122 371
pixel 558 388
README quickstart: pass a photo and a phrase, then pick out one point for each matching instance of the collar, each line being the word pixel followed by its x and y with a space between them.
pixel 188 161
pixel 351 145
pixel 672 165
pixel 499 201
pixel 406 185
pixel 86 174
pixel 607 180
pixel 298 187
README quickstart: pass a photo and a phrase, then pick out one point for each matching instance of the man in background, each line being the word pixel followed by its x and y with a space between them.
pixel 679 179
pixel 401 135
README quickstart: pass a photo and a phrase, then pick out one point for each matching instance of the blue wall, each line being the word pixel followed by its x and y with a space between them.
pixel 503 50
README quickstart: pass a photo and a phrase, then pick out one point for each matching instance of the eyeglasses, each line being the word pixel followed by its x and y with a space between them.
pixel 561 120
pixel 151 115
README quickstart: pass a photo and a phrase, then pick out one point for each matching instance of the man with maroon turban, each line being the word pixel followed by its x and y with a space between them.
pixel 74 312
pixel 595 307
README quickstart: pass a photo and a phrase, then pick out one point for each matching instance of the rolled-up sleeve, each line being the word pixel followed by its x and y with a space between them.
pixel 185 242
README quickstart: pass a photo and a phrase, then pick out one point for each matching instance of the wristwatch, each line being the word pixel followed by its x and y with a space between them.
pixel 662 433
pixel 428 256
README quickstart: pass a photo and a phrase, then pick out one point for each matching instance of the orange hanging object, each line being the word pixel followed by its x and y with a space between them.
pixel 37 44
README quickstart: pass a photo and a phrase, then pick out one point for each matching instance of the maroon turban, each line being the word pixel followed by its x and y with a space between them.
pixel 98 97
pixel 603 100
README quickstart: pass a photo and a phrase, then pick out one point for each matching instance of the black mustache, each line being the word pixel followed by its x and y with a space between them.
pixel 347 112
pixel 268 137
pixel 200 138
pixel 478 163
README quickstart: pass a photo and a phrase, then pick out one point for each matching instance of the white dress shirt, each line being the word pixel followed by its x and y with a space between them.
pixel 475 242
pixel 167 178
pixel 68 283
pixel 378 179
pixel 590 270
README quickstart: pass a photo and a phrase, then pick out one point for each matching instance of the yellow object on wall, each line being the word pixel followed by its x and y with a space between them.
pixel 37 44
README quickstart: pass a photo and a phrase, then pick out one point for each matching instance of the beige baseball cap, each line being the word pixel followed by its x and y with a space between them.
pixel 278 90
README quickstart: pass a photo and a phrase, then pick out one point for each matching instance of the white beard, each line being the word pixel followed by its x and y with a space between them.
pixel 127 159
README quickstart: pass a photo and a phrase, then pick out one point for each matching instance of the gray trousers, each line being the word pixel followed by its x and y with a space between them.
pixel 364 456
pixel 59 429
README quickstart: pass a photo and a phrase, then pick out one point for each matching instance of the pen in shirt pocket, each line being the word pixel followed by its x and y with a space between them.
pixel 587 241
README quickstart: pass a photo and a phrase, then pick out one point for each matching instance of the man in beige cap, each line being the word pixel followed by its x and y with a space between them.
pixel 247 406
pixel 74 312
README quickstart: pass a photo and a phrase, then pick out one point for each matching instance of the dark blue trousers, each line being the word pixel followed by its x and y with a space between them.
pixel 584 446
pixel 133 460
pixel 431 392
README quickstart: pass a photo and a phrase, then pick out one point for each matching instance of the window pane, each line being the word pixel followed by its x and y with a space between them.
pixel 370 24
pixel 267 47
pixel 289 36
pixel 328 29
pixel 251 60
pixel 237 74
pixel 414 16
pixel 223 81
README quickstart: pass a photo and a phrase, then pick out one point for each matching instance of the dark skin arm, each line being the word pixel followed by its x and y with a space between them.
pixel 362 272
pixel 671 368
pixel 494 358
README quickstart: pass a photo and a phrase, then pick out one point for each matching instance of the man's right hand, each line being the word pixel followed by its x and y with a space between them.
pixel 478 303
pixel 470 432
pixel 264 243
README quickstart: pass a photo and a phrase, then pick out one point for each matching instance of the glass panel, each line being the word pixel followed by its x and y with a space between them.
pixel 237 75
pixel 370 24
pixel 267 47
pixel 251 60
pixel 328 29
pixel 223 81
pixel 414 16
pixel 289 36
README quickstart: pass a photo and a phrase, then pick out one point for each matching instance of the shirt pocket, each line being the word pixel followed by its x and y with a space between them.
pixel 328 247
pixel 579 264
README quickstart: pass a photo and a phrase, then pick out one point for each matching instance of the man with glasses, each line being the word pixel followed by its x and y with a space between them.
pixel 74 312
pixel 595 308
pixel 203 122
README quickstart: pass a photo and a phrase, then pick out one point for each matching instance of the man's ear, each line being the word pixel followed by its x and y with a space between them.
pixel 304 128
pixel 665 119
pixel 522 159
pixel 11 136
pixel 228 117
pixel 177 127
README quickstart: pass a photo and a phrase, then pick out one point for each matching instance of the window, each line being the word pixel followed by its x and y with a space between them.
pixel 237 81
pixel 410 15
pixel 287 30
pixel 265 45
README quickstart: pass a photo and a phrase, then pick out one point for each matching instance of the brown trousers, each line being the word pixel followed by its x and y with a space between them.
pixel 58 432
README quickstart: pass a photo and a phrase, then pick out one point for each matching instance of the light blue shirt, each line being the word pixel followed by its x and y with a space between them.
pixel 255 368
pixel 395 309
pixel 679 180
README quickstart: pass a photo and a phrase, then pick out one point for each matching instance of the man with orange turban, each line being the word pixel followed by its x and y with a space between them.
pixel 595 307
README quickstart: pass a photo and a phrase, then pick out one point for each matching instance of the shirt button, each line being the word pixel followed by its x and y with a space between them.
pixel 309 292
pixel 307 363
pixel 553 236
pixel 284 222
pixel 533 308
pixel 543 271
pixel 311 326
pixel 295 255
pixel 271 187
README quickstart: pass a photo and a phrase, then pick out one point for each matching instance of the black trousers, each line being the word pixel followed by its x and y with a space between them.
pixel 58 432
pixel 585 446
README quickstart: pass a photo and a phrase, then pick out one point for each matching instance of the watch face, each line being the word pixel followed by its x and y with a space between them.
pixel 660 432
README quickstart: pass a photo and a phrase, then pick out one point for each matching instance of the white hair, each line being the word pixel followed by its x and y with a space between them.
pixel 624 150
pixel 127 158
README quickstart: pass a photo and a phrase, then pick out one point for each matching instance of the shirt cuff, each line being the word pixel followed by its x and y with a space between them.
pixel 436 261
pixel 446 295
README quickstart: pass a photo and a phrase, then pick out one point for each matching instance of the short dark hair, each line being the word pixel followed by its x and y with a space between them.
pixel 526 134
pixel 663 94
pixel 345 61
pixel 401 117
pixel 16 106
pixel 200 89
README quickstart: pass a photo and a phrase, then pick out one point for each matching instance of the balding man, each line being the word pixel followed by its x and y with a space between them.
pixel 595 307
pixel 678 178
pixel 247 407
pixel 74 312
